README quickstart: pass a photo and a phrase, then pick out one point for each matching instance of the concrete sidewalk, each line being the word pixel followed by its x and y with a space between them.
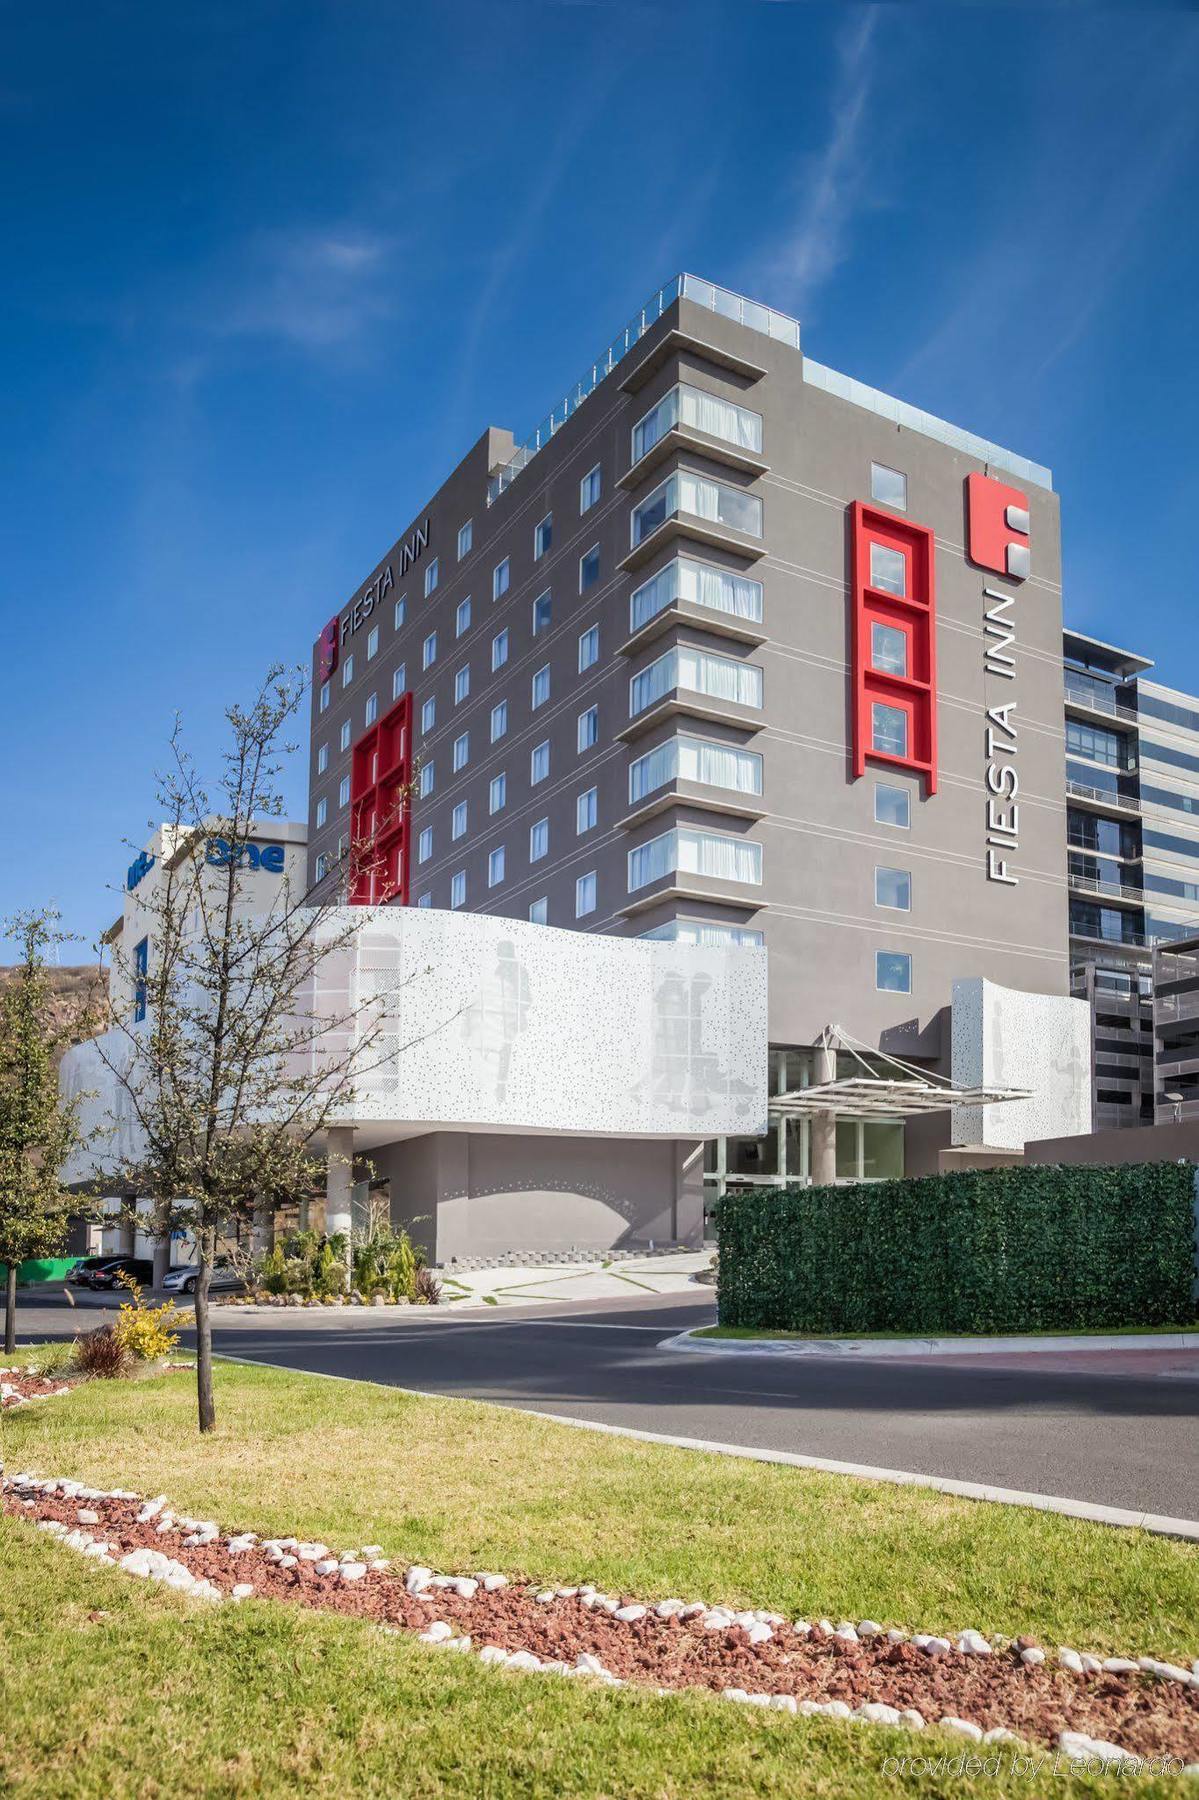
pixel 566 1282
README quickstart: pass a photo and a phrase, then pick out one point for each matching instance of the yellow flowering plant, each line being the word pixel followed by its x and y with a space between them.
pixel 145 1331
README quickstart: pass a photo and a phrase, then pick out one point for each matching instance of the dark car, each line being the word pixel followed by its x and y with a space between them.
pixel 80 1275
pixel 141 1269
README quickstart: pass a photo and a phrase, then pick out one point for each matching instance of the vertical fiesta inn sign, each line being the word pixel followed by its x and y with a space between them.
pixel 998 540
pixel 343 625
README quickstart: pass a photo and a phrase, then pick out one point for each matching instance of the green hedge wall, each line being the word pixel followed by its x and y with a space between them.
pixel 998 1250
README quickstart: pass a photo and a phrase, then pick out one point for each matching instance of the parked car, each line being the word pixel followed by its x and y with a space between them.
pixel 105 1276
pixel 80 1275
pixel 182 1278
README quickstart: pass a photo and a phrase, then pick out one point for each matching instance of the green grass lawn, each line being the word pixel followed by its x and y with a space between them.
pixel 160 1696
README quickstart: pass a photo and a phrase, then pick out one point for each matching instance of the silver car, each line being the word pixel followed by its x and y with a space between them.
pixel 182 1278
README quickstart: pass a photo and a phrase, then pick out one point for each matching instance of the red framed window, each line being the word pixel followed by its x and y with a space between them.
pixel 380 809
pixel 894 643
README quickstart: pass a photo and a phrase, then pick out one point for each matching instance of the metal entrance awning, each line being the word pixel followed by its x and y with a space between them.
pixel 872 1097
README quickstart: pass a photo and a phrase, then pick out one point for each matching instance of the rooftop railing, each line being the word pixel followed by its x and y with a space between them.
pixel 784 330
pixel 1082 695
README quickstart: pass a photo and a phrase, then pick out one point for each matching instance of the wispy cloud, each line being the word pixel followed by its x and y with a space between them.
pixel 313 288
pixel 834 180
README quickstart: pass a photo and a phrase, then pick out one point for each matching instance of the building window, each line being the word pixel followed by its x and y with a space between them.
pixel 539 912
pixel 690 851
pixel 698 760
pixel 343 736
pixel 322 865
pixel 343 847
pixel 893 971
pixel 401 610
pixel 893 889
pixel 424 844
pixel 324 696
pixel 889 487
pixel 462 616
pixel 542 612
pixel 497 793
pixel 539 763
pixel 372 708
pixel 540 687
pixel 500 576
pixel 589 489
pixel 141 970
pixel 428 713
pixel 888 649
pixel 343 791
pixel 462 684
pixel 372 642
pixel 888 729
pixel 888 569
pixel 425 900
pixel 586 811
pixel 539 840
pixel 399 681
pixel 588 647
pixel 425 780
pixel 322 759
pixel 458 888
pixel 543 536
pixel 685 492
pixel 458 820
pixel 499 720
pixel 706 932
pixel 700 672
pixel 466 537
pixel 585 895
pixel 347 671
pixel 892 806
pixel 696 584
pixel 428 654
pixel 700 411
pixel 432 575
pixel 495 867
pixel 499 650
pixel 322 812
pixel 589 568
pixel 461 751
pixel 588 730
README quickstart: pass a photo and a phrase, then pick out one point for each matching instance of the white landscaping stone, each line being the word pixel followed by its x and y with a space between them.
pixel 88 1517
pixel 524 1659
pixel 963 1727
pixel 999 1734
pixel 1165 1671
pixel 670 1609
pixel 973 1643
pixel 1077 1744
pixel 628 1615
pixel 868 1628
pixel 417 1579
pixel 911 1717
pixel 587 1664
pixel 1032 1656
pixel 1091 1664
pixel 437 1631
pixel 1070 1659
pixel 353 1571
pixel 1120 1665
pixel 784 1703
pixel 759 1634
pixel 466 1587
pixel 876 1713
pixel 491 1653
pixel 242 1591
pixel 326 1566
pixel 493 1583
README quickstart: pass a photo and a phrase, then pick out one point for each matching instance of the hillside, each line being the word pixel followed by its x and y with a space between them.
pixel 73 990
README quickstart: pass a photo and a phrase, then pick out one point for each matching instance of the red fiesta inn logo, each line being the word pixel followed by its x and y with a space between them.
pixel 998 526
pixel 326 650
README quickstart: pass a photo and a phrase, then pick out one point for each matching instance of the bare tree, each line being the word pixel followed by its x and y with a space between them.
pixel 227 1064
pixel 38 1128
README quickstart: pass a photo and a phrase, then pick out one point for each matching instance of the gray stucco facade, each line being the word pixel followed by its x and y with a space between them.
pixel 801 821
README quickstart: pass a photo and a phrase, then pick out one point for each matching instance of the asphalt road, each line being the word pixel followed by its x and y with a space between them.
pixel 1116 1438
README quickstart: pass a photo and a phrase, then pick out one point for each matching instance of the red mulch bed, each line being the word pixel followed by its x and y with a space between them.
pixel 1142 1714
pixel 28 1387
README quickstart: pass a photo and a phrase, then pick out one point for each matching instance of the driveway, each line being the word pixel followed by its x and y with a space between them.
pixel 1108 1433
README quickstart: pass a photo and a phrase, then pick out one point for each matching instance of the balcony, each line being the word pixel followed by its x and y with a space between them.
pixel 699 443
pixel 1124 893
pixel 1082 699
pixel 686 703
pixel 1123 804
pixel 679 792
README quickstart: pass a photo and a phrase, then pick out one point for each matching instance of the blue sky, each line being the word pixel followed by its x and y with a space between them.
pixel 270 268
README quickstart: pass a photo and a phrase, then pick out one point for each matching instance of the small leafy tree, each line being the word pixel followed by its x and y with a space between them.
pixel 38 1129
pixel 234 1070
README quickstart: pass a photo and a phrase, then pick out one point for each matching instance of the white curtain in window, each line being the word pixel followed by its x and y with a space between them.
pixel 652 683
pixel 649 862
pixel 720 589
pixel 719 765
pixel 655 594
pixel 720 418
pixel 719 676
pixel 711 853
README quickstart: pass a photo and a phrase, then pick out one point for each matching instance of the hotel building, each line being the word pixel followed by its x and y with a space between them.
pixel 732 651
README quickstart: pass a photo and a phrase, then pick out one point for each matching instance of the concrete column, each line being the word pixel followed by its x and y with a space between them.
pixel 262 1239
pixel 824 1124
pixel 162 1257
pixel 687 1221
pixel 126 1235
pixel 339 1180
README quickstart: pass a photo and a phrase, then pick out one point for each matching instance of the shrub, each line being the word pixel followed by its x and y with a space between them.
pixel 101 1354
pixel 1019 1249
pixel 427 1288
pixel 273 1272
pixel 145 1331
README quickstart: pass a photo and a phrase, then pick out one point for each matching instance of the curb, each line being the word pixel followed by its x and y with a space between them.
pixel 1159 1524
pixel 875 1348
